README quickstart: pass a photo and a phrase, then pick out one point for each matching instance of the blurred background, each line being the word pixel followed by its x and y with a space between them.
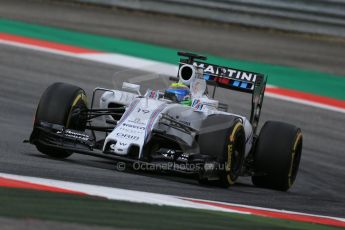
pixel 308 34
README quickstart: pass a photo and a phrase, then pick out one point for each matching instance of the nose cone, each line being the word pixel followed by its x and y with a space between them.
pixel 119 148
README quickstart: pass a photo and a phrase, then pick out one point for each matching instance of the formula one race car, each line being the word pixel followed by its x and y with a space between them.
pixel 183 128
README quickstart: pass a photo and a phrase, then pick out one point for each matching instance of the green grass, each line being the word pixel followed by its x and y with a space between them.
pixel 21 203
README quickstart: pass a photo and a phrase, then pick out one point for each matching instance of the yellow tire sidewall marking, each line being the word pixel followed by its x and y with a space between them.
pixel 80 96
pixel 230 151
pixel 298 137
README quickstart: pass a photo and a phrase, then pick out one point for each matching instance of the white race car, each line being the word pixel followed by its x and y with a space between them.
pixel 183 128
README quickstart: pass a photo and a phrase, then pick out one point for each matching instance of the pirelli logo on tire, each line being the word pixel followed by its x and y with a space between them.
pixel 293 156
pixel 230 152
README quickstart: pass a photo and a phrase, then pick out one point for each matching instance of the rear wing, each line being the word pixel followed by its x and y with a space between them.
pixel 230 78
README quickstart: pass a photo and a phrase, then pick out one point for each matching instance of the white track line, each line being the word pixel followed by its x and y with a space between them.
pixel 122 60
pixel 116 193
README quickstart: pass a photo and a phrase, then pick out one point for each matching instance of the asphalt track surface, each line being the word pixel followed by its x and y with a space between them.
pixel 24 74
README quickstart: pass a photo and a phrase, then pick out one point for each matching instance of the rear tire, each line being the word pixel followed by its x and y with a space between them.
pixel 61 104
pixel 223 137
pixel 277 156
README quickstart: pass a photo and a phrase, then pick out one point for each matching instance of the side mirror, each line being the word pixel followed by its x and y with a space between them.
pixel 131 87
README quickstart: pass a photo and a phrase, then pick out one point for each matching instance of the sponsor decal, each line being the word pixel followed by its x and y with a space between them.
pixel 112 146
pixel 202 104
pixel 185 122
pixel 133 126
pixel 226 72
pixel 69 133
pixel 143 110
pixel 197 105
pixel 124 130
pixel 152 94
pixel 127 136
pixel 137 120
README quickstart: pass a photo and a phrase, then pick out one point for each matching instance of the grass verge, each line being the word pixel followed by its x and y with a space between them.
pixel 22 203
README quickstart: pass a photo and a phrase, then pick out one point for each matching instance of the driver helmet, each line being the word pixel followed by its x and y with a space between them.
pixel 178 92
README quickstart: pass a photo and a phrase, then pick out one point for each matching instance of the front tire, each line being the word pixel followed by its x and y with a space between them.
pixel 277 156
pixel 60 104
